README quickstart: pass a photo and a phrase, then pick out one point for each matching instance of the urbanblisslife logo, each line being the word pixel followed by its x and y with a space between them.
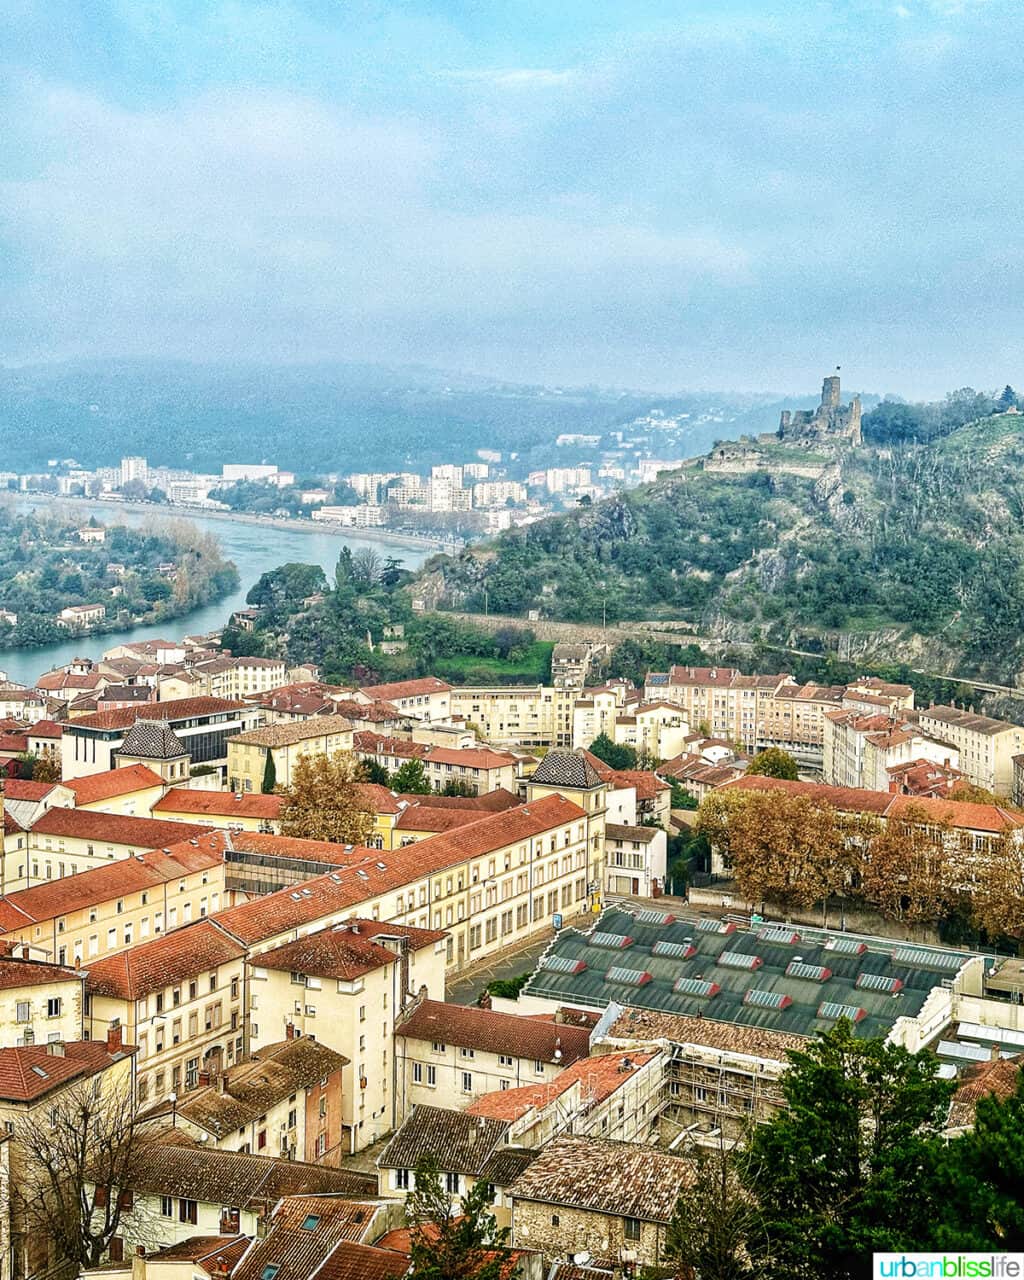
pixel 949 1266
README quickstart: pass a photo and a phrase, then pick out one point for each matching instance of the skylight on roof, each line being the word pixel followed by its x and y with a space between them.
pixel 846 946
pixel 269 1271
pixel 832 1012
pixel 716 926
pixel 810 972
pixel 311 1223
pixel 41 1073
pixel 767 999
pixel 698 987
pixel 677 950
pixel 919 958
pixel 739 960
pixel 779 934
pixel 612 941
pixel 654 917
pixel 562 964
pixel 627 977
pixel 879 982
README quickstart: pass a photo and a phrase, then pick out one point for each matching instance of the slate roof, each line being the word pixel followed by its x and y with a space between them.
pixel 460 1142
pixel 491 1032
pixel 812 1003
pixel 621 1179
pixel 566 769
pixel 152 740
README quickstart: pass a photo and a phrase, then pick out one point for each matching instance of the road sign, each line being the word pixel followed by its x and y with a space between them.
pixel 556 919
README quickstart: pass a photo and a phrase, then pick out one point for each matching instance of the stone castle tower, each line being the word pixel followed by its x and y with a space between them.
pixel 831 421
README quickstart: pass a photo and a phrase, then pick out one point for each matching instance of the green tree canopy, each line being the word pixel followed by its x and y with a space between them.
pixel 616 755
pixel 411 779
pixel 447 1244
pixel 773 762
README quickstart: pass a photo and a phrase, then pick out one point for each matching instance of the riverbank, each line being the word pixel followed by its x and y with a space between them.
pixel 184 511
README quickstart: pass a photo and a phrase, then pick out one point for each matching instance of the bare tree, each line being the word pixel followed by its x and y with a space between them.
pixel 366 566
pixel 74 1173
pixel 716 1231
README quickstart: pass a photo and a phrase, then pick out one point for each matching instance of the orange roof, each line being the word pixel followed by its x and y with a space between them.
pixel 162 962
pixel 598 1078
pixel 346 951
pixel 493 1032
pixel 470 757
pixel 405 689
pixel 111 880
pixel 220 804
pixel 114 782
pixel 113 828
pixel 175 709
pixel 19 789
pixel 45 729
pixel 31 1071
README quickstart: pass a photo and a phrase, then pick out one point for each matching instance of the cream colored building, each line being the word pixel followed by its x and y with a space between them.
pixel 593 714
pixel 491 886
pixel 347 985
pixel 89 915
pixel 449 1055
pixel 859 750
pixel 132 790
pixel 479 769
pixel 657 730
pixel 286 743
pixel 986 746
pixel 178 998
pixel 40 1003
pixel 534 716
pixel 424 699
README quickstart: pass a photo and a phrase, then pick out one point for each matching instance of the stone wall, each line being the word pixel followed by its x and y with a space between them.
pixel 557 1231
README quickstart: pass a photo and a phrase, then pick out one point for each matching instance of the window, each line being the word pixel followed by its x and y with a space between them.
pixel 438 1046
pixel 538 1066
pixel 417 1073
pixel 188 1211
pixel 23 1011
pixel 400 1179
pixel 166 1207
pixel 467 1082
pixel 631 1228
pixel 452 1183
pixel 467 1053
pixel 505 1060
pixel 555 1220
pixel 431 1076
pixel 311 1223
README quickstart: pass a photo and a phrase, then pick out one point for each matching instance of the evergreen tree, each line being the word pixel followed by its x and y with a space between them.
pixel 615 755
pixel 411 779
pixel 269 774
pixel 374 772
pixel 716 1230
pixel 445 1245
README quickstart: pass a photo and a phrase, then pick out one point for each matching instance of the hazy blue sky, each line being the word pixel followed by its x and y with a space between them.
pixel 676 195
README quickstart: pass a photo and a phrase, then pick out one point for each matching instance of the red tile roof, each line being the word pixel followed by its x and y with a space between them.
pixel 175 709
pixel 33 973
pixel 110 881
pixel 114 828
pixel 425 817
pixel 376 744
pixel 405 689
pixel 18 789
pixel 598 1078
pixel 45 729
pixel 492 1032
pixel 31 1071
pixel 162 962
pixel 495 801
pixel 220 804
pixel 344 953
pixel 96 787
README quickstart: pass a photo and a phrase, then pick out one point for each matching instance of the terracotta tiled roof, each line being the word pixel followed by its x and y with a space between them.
pixel 616 1178
pixel 492 1032
pixel 111 880
pixel 731 1037
pixel 113 828
pixel 290 732
pixel 646 785
pixel 33 973
pixel 302 1232
pixel 211 1253
pixel 239 1179
pixel 496 801
pixel 45 729
pixel 351 1261
pixel 998 1078
pixel 379 712
pixel 18 789
pixel 426 817
pixel 460 1142
pixel 31 1071
pixel 162 962
pixel 347 951
pixel 115 782
pixel 405 689
pixel 219 804
pixel 294 848
pixel 175 709
pixel 598 1078
pixel 335 892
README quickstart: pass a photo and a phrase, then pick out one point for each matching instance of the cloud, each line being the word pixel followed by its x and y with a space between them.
pixel 515 77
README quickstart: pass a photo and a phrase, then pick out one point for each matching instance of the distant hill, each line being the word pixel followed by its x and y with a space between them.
pixel 322 418
pixel 904 551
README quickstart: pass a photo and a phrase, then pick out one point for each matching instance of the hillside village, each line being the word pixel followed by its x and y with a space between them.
pixel 288 1029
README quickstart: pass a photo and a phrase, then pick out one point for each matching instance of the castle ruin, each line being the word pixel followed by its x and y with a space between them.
pixel 830 421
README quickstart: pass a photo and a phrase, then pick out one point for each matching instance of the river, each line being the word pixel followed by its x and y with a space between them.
pixel 254 548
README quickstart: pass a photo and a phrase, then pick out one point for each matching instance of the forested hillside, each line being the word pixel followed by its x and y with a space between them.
pixel 904 550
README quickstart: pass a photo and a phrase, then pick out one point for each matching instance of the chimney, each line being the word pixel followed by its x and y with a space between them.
pixel 114 1039
pixel 222 1082
pixel 289 1031
pixel 55 1049
pixel 485 1001
pixel 993 1053
pixel 204 1078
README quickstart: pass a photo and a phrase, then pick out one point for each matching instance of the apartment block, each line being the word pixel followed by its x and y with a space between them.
pixel 986 746
pixel 285 743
